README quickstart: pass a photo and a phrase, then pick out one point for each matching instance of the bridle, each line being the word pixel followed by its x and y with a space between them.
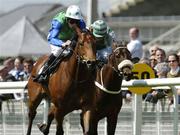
pixel 118 72
pixel 81 60
pixel 101 85
pixel 120 47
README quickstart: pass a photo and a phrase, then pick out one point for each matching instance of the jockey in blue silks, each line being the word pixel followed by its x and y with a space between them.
pixel 59 36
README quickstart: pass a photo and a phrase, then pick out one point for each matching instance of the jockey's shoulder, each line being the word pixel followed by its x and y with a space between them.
pixel 62 13
pixel 60 16
pixel 111 33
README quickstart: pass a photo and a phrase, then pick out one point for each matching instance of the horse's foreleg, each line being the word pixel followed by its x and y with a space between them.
pixel 32 111
pixel 59 119
pixel 111 124
pixel 31 116
pixel 81 121
pixel 45 127
pixel 88 123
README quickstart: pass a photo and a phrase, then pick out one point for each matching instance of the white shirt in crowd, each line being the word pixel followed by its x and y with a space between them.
pixel 135 47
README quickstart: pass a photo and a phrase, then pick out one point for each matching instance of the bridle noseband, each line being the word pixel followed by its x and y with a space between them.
pixel 119 73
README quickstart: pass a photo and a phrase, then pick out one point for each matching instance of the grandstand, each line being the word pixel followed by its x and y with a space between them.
pixel 145 8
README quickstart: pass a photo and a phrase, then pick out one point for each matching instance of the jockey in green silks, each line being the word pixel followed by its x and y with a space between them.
pixel 104 39
pixel 59 37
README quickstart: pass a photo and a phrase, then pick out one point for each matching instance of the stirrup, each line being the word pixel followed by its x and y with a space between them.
pixel 41 78
pixel 36 78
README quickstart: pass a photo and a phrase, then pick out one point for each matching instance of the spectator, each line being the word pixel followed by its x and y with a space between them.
pixel 5 68
pixel 135 45
pixel 152 61
pixel 179 55
pixel 173 61
pixel 145 61
pixel 27 68
pixel 8 64
pixel 160 55
pixel 153 49
pixel 161 71
pixel 13 74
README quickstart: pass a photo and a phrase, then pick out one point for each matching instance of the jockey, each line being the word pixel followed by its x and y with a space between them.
pixel 104 39
pixel 59 37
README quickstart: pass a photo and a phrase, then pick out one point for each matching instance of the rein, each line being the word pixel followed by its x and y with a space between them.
pixel 119 48
pixel 101 86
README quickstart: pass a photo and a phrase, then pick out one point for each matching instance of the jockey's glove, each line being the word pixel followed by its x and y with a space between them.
pixel 66 44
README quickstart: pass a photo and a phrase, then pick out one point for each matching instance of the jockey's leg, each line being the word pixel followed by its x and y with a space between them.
pixel 44 74
pixel 57 52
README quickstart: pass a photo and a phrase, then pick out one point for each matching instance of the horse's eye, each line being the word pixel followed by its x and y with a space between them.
pixel 81 43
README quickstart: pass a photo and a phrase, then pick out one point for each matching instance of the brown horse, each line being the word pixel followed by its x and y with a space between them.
pixel 108 95
pixel 108 88
pixel 71 87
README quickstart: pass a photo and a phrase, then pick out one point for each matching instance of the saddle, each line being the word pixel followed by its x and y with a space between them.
pixel 53 67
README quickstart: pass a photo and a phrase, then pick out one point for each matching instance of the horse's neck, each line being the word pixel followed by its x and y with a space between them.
pixel 73 66
pixel 112 62
pixel 72 63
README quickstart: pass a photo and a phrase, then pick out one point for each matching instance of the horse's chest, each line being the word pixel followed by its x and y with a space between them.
pixel 107 100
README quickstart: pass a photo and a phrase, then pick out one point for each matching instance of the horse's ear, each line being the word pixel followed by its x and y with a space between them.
pixel 114 45
pixel 109 57
pixel 124 43
pixel 91 29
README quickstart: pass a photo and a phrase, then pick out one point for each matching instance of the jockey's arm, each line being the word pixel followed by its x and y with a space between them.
pixel 111 33
pixel 54 32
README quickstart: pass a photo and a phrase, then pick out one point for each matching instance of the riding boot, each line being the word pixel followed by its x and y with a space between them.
pixel 43 76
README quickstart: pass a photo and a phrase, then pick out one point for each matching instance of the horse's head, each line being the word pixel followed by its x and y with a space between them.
pixel 86 48
pixel 122 59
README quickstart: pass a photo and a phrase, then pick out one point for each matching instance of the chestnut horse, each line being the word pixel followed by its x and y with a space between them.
pixel 108 88
pixel 70 87
pixel 108 91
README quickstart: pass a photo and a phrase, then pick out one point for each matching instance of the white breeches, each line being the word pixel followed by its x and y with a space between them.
pixel 55 50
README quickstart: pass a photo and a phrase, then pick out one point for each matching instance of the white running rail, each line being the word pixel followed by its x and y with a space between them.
pixel 173 83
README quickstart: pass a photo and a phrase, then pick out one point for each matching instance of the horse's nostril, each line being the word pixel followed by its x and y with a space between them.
pixel 88 62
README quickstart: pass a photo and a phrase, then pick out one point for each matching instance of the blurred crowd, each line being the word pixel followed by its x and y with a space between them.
pixel 165 65
pixel 15 69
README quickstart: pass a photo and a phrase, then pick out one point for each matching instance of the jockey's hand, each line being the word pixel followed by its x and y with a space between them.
pixel 66 44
